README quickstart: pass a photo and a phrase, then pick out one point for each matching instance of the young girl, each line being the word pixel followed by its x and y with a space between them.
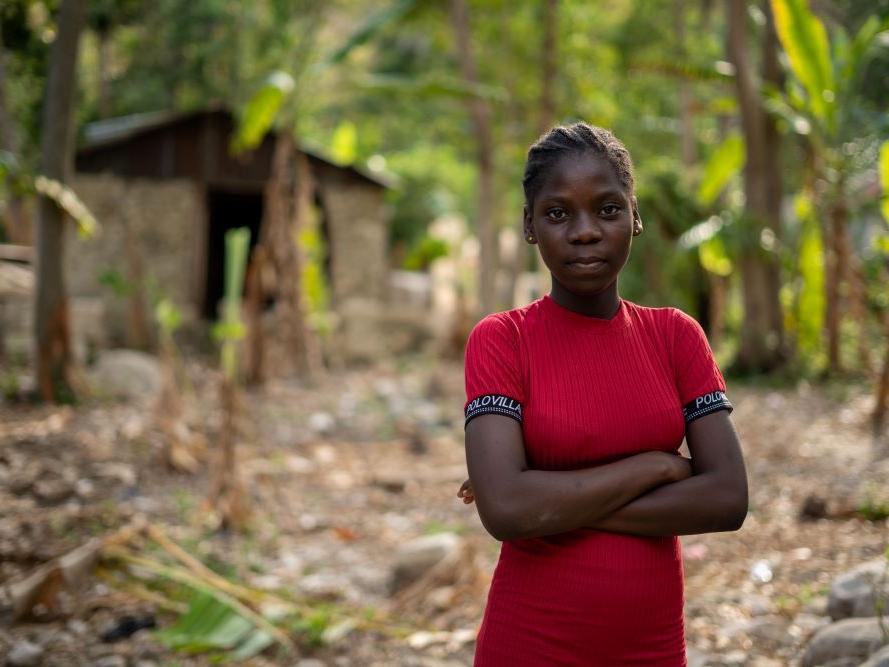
pixel 576 407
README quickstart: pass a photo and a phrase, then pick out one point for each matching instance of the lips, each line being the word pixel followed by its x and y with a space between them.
pixel 585 261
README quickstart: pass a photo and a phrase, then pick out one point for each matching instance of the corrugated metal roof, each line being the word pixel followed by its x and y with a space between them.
pixel 107 133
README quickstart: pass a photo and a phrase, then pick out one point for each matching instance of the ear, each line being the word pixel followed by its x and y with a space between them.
pixel 637 219
pixel 527 227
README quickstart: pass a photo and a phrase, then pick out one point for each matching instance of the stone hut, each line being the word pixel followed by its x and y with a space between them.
pixel 165 189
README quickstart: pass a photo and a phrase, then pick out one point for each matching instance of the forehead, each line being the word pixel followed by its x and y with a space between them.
pixel 580 173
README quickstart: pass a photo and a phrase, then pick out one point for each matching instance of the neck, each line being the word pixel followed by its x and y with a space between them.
pixel 603 305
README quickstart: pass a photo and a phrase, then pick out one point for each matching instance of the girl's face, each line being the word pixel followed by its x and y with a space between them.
pixel 583 220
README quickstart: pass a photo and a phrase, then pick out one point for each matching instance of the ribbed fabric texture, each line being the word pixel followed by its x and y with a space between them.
pixel 591 391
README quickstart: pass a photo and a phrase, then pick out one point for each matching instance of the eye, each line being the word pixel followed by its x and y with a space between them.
pixel 556 213
pixel 610 210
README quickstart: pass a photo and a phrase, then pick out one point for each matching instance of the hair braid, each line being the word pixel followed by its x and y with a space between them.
pixel 575 139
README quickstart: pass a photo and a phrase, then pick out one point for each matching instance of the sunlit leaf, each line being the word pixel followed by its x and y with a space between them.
pixel 211 624
pixel 261 111
pixel 714 258
pixel 725 162
pixel 344 145
pixel 884 179
pixel 804 39
pixel 67 200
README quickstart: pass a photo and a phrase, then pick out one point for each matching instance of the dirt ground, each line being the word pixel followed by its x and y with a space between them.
pixel 342 474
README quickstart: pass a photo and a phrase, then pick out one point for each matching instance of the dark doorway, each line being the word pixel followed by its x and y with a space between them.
pixel 226 210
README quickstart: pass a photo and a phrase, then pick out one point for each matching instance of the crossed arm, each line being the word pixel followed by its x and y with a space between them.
pixel 648 494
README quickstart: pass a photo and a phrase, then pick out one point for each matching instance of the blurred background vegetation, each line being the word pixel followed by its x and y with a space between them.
pixel 799 94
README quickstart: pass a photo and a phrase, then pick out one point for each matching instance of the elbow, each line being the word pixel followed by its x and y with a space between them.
pixel 503 522
pixel 735 510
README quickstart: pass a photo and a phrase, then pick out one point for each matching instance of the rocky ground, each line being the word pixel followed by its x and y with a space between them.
pixel 346 477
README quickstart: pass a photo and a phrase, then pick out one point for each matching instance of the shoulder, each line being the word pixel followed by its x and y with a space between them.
pixel 504 326
pixel 663 322
pixel 666 318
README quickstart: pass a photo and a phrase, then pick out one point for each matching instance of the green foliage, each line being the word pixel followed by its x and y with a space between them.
pixel 210 624
pixel 371 27
pixel 884 179
pixel 232 329
pixel 424 253
pixel 262 109
pixel 804 39
pixel 116 282
pixel 168 316
pixel 714 258
pixel 724 164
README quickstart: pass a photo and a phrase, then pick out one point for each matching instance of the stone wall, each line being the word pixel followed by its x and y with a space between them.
pixel 166 220
pixel 357 242
pixel 357 230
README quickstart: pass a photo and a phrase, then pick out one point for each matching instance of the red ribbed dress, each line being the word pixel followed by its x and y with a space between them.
pixel 588 391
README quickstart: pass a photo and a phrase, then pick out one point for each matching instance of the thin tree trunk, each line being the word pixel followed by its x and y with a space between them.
pixel 686 118
pixel 548 102
pixel 102 66
pixel 881 404
pixel 550 66
pixel 52 334
pixel 761 348
pixel 288 200
pixel 138 332
pixel 481 127
pixel 254 345
pixel 10 140
pixel 832 279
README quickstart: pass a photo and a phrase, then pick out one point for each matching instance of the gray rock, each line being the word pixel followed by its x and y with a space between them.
pixel 418 556
pixel 111 661
pixel 310 662
pixel 126 374
pixel 24 654
pixel 853 594
pixel 878 659
pixel 851 638
pixel 697 658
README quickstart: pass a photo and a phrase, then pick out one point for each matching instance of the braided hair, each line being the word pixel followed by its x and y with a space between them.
pixel 575 139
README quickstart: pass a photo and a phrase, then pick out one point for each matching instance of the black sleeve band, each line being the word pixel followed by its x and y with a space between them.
pixel 704 405
pixel 493 404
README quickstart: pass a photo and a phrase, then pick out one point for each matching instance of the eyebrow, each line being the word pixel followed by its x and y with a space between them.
pixel 560 198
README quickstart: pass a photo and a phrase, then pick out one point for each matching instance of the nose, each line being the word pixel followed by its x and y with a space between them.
pixel 585 229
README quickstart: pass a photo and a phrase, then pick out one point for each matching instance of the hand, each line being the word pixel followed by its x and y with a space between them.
pixel 680 468
pixel 466 493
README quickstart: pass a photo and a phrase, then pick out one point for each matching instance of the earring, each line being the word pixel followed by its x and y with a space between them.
pixel 530 238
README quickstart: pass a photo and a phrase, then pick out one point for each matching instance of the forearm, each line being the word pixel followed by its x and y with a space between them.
pixel 534 503
pixel 704 503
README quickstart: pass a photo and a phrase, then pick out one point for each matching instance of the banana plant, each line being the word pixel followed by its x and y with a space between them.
pixel 820 104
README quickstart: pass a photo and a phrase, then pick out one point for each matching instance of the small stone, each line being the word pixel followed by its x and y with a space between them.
pixel 53 491
pixel 878 659
pixel 338 632
pixel 441 598
pixel 416 557
pixel 853 594
pixel 111 661
pixel 851 638
pixel 310 662
pixel 24 654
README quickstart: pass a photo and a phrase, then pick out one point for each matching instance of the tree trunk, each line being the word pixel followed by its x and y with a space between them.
pixel 686 117
pixel 52 338
pixel 17 231
pixel 102 66
pixel 254 300
pixel 550 66
pixel 481 126
pixel 288 199
pixel 762 344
